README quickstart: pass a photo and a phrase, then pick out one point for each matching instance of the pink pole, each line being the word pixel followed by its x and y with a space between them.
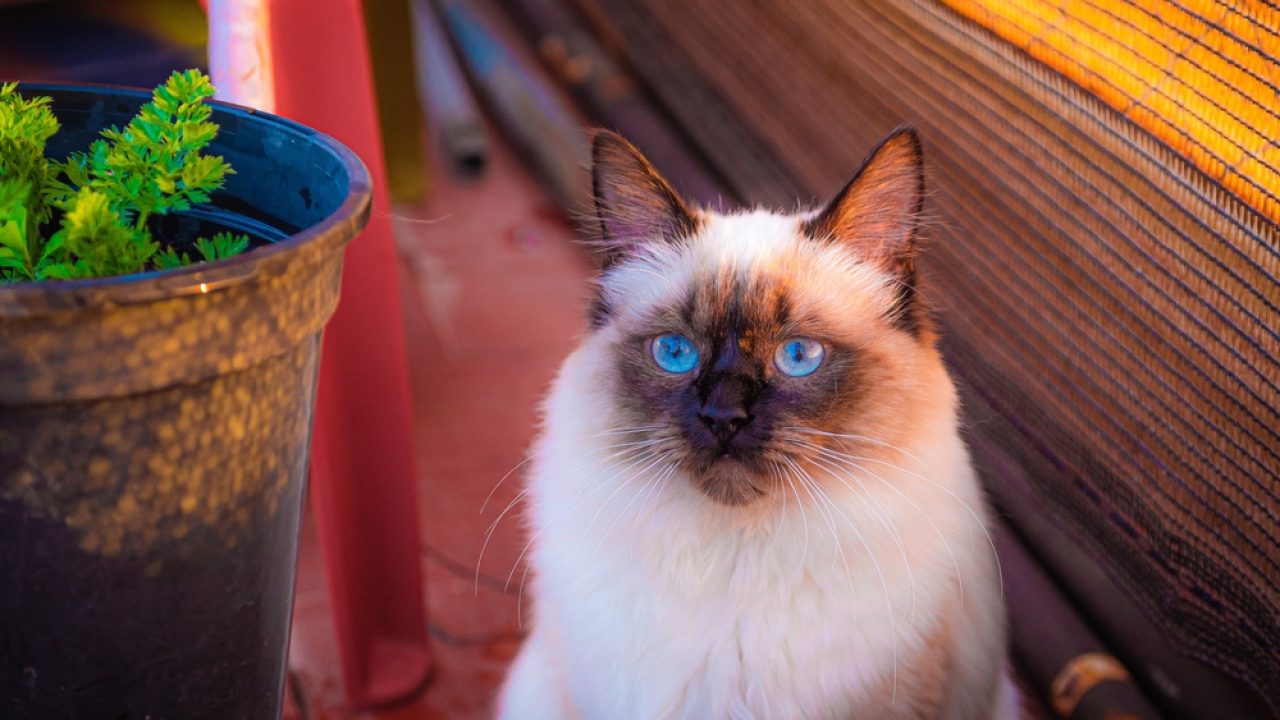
pixel 363 486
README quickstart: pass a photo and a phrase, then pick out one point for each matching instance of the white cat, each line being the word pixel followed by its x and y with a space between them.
pixel 750 498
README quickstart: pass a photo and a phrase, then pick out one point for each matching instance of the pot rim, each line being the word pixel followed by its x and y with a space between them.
pixel 39 297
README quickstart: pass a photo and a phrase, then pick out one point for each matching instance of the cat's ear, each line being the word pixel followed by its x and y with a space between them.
pixel 878 211
pixel 634 203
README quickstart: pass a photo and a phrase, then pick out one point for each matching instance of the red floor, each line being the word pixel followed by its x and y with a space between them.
pixel 494 291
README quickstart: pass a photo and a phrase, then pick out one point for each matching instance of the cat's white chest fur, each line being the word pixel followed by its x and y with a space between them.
pixel 652 602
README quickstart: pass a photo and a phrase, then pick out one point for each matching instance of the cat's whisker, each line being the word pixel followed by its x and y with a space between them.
pixel 977 521
pixel 831 525
pixel 832 460
pixel 967 508
pixel 804 553
pixel 884 586
pixel 525 461
pixel 622 430
pixel 647 492
pixel 524 574
pixel 659 488
pixel 566 511
pixel 654 493
pixel 885 522
pixel 580 498
pixel 652 481
pixel 946 543
pixel 628 448
pixel 820 499
pixel 524 493
pixel 647 271
pixel 650 496
pixel 531 456
pixel 630 478
pixel 639 473
pixel 857 437
pixel 776 472
pixel 494 525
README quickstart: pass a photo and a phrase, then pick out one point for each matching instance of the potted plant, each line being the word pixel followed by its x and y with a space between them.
pixel 162 295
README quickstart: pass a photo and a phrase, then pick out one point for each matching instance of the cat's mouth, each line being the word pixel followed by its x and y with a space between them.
pixel 728 480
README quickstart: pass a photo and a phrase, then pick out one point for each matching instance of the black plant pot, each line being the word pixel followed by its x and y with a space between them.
pixel 154 435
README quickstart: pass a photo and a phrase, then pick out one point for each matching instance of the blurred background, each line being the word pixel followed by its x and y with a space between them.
pixel 1104 260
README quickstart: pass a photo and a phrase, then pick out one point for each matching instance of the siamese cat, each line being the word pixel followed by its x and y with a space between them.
pixel 750 498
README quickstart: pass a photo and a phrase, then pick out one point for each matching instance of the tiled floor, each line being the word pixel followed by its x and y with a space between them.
pixel 494 290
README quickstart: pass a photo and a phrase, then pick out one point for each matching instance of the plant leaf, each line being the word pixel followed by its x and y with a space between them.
pixel 168 259
pixel 100 199
pixel 223 245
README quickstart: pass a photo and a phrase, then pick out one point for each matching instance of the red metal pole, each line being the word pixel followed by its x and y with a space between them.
pixel 363 485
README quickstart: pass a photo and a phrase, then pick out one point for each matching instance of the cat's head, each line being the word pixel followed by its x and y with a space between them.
pixel 756 345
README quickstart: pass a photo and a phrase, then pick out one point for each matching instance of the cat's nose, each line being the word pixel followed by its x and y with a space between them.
pixel 725 409
pixel 724 420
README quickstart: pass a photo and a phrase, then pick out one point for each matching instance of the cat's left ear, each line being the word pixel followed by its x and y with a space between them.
pixel 634 203
pixel 878 211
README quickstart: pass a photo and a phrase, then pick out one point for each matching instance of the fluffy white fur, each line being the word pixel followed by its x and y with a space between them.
pixel 651 601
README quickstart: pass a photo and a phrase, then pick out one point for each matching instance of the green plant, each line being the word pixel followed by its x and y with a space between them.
pixel 100 200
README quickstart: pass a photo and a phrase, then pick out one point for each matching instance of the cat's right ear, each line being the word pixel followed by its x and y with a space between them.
pixel 877 214
pixel 634 203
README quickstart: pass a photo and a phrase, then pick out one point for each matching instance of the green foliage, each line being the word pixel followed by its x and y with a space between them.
pixel 25 126
pixel 15 254
pixel 95 240
pixel 105 196
pixel 223 245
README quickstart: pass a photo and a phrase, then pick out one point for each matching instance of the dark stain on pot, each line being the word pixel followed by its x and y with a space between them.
pixel 133 474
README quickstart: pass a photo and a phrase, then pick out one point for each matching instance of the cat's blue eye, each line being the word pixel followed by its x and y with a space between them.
pixel 674 353
pixel 798 357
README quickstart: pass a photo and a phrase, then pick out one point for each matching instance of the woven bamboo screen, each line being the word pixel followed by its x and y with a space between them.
pixel 1104 259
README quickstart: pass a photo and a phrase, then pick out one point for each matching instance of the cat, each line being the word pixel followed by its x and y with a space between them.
pixel 750 498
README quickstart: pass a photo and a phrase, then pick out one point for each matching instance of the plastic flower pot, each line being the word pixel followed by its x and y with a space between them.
pixel 154 436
